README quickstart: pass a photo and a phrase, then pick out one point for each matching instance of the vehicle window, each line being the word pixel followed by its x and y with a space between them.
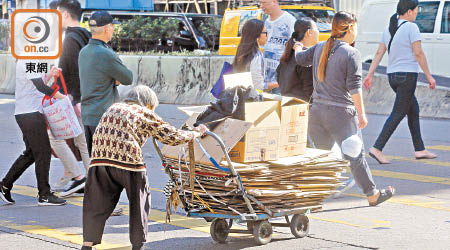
pixel 445 26
pixel 246 15
pixel 204 23
pixel 323 18
pixel 427 16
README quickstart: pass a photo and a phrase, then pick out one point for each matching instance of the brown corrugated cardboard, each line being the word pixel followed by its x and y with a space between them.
pixel 261 140
pixel 230 130
pixel 293 128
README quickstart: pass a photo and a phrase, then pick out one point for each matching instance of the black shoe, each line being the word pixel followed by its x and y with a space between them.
pixel 74 186
pixel 5 194
pixel 141 247
pixel 51 200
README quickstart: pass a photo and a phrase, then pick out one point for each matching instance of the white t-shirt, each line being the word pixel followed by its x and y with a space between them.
pixel 401 55
pixel 28 98
pixel 278 33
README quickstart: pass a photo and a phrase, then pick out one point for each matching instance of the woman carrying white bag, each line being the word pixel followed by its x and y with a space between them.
pixel 30 89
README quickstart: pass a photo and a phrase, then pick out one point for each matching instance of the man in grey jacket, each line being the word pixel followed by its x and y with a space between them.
pixel 101 71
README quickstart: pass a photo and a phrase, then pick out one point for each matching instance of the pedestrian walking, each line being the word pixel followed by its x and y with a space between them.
pixel 75 39
pixel 403 43
pixel 280 26
pixel 101 71
pixel 296 80
pixel 338 113
pixel 249 57
pixel 30 90
pixel 118 163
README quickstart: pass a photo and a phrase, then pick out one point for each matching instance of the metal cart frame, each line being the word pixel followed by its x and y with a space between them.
pixel 257 223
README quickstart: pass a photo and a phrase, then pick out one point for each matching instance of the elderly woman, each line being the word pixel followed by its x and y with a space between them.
pixel 117 163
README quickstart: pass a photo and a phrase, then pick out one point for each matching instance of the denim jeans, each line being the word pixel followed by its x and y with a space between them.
pixel 404 85
pixel 37 151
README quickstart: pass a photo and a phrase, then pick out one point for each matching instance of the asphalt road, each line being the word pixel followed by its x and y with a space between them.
pixel 418 217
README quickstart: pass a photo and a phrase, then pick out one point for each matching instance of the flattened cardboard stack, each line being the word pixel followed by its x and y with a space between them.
pixel 293 182
pixel 289 183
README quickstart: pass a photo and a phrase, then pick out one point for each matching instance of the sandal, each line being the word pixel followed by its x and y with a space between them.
pixel 385 194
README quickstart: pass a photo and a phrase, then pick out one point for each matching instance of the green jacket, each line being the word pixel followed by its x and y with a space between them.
pixel 99 68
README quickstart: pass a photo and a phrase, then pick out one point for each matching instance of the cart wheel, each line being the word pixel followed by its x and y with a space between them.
pixel 250 226
pixel 219 230
pixel 300 225
pixel 262 232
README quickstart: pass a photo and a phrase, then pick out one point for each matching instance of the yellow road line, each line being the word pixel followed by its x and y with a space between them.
pixel 32 192
pixel 56 234
pixel 424 161
pixel 176 220
pixel 414 203
pixel 439 147
pixel 374 223
pixel 412 177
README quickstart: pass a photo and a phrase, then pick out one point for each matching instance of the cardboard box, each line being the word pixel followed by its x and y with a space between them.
pixel 293 128
pixel 261 141
pixel 229 130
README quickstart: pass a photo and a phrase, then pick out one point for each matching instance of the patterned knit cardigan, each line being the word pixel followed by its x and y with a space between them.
pixel 122 132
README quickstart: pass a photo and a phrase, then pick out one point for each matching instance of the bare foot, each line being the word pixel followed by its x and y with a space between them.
pixel 377 155
pixel 424 154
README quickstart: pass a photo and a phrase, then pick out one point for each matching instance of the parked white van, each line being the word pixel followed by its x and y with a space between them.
pixel 433 21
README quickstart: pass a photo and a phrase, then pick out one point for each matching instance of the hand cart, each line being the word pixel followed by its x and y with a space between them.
pixel 257 223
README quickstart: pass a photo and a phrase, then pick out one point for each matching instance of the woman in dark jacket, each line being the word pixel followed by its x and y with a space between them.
pixel 296 80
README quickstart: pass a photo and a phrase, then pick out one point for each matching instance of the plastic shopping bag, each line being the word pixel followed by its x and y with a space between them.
pixel 61 117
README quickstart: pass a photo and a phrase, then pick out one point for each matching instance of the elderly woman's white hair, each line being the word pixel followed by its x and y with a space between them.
pixel 142 95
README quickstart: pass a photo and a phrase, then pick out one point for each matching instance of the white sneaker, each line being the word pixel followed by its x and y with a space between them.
pixel 348 185
pixel 61 184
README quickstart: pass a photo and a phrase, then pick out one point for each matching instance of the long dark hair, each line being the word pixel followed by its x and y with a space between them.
pixel 402 7
pixel 300 27
pixel 248 46
pixel 340 25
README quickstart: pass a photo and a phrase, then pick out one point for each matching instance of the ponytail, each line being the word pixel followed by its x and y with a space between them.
pixel 393 24
pixel 301 26
pixel 403 7
pixel 288 50
pixel 324 58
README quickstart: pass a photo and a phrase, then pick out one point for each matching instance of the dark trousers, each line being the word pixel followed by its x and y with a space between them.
pixel 102 192
pixel 404 85
pixel 37 150
pixel 89 133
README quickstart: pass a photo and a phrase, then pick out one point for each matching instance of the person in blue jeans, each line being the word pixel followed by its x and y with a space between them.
pixel 403 43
